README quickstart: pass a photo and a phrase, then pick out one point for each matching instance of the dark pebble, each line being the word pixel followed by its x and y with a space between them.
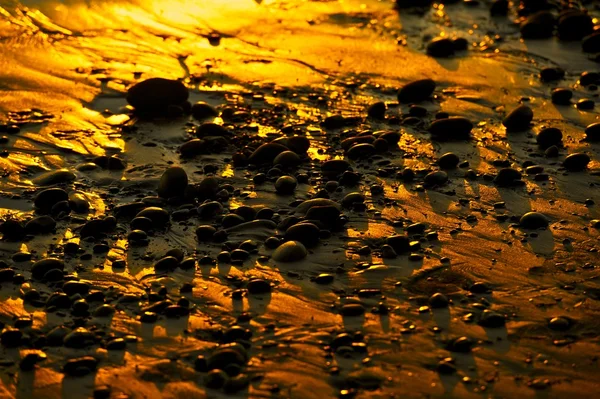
pixel 417 91
pixel 518 119
pixel 576 162
pixel 562 96
pixel 453 128
pixel 440 47
pixel 533 220
pixel 548 137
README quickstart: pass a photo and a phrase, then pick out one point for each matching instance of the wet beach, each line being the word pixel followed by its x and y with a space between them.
pixel 299 199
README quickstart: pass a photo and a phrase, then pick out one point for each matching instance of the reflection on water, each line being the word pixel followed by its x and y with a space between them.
pixel 286 66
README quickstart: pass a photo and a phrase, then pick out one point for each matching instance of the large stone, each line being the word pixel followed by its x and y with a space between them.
pixel 156 94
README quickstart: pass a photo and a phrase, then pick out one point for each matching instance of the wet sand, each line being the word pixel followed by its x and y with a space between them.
pixel 420 276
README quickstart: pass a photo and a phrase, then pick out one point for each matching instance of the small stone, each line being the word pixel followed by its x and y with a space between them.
pixel 539 25
pixel 440 47
pixel 156 95
pixel 202 111
pixel 437 178
pixel 173 183
pixel 585 104
pixel 448 161
pixel 491 319
pixel 288 159
pixel 533 220
pixel 377 110
pixel 452 128
pixel 159 217
pixel 363 150
pixel 81 366
pixel 592 132
pixel 591 43
pixel 416 91
pixel 54 177
pixel 551 74
pixel 574 25
pixel 548 137
pixel 258 286
pixel 306 233
pixel 266 153
pixel 576 162
pixel 352 310
pixel 519 119
pixel 507 177
pixel 438 300
pixel 286 185
pixel 562 96
pixel 560 323
pixel 41 267
pixel 291 251
pixel 47 198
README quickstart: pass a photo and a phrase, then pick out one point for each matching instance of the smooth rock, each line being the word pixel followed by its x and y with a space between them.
pixel 156 94
pixel 416 91
pixel 291 251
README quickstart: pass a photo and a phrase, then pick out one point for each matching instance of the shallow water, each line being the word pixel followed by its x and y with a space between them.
pixel 65 70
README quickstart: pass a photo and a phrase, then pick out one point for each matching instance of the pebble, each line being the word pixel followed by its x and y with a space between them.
pixel 109 163
pixel 156 94
pixel 306 233
pixel 440 47
pixel 173 182
pixel 507 177
pixel 548 137
pixel 533 220
pixel 47 198
pixel 266 153
pixel 591 43
pixel 228 355
pixel 491 319
pixel 11 337
pixel 560 323
pixel 166 264
pixel 202 110
pixel 81 366
pixel 192 148
pixel 400 243
pixel 363 150
pixel 576 162
pixel 518 119
pixel 437 178
pixel 159 217
pixel 585 104
pixel 258 286
pixel 416 91
pixel 41 267
pixel 291 251
pixel 286 185
pixel 539 25
pixel 377 110
pixel 438 300
pixel 562 96
pixel 210 129
pixel 592 132
pixel 352 310
pixel 574 25
pixel 452 128
pixel 551 74
pixel 448 161
pixel 288 159
pixel 54 177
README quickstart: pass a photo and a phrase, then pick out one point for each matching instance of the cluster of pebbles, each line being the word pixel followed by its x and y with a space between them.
pixel 51 284
pixel 335 191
